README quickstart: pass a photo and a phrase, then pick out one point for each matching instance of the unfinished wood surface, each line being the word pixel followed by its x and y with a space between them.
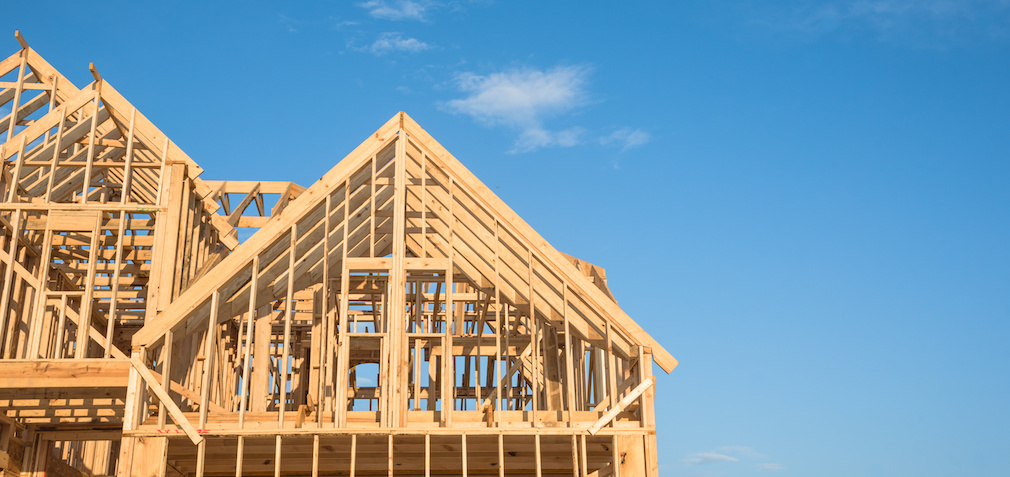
pixel 395 318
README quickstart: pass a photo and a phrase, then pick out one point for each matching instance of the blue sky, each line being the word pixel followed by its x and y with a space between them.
pixel 807 203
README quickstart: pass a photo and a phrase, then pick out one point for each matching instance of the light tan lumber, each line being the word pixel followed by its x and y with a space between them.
pixel 579 283
pixel 64 374
pixel 175 313
pixel 17 93
pixel 357 270
pixel 173 410
pixel 621 405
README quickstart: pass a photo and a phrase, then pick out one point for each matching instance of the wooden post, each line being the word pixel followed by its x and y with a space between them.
pixel 427 455
pixel 534 328
pixel 501 455
pixel 166 373
pixel 86 189
pixel 289 310
pixel 448 360
pixel 536 445
pixel 60 345
pixel 648 404
pixel 35 329
pixel 323 352
pixel 128 172
pixel 396 330
pixel 343 348
pixel 569 365
pixel 354 452
pixel 250 313
pixel 585 460
pixel 244 398
pixel 616 456
pixel 163 269
pixel 113 302
pixel 277 456
pixel 131 415
pixel 610 366
pixel 315 455
pixel 84 326
pixel 499 329
pixel 5 301
pixel 56 154
pixel 575 457
pixel 208 369
pixel 261 360
pixel 389 455
pixel 16 175
pixel 17 95
pixel 463 452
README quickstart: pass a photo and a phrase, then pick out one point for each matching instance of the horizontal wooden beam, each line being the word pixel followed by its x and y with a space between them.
pixel 63 374
pixel 244 187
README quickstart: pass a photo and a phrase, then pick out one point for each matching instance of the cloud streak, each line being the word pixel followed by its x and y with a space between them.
pixel 289 24
pixel 395 42
pixel 397 9
pixel 742 451
pixel 745 455
pixel 924 22
pixel 627 138
pixel 703 458
pixel 526 99
pixel 537 138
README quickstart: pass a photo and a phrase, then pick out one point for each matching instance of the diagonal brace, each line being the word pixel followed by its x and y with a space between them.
pixel 622 405
pixel 170 406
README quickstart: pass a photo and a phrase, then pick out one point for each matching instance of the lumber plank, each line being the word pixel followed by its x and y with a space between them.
pixel 56 374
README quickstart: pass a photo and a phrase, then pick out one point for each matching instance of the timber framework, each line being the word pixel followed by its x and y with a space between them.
pixel 395 318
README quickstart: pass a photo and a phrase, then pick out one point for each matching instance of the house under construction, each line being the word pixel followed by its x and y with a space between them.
pixel 394 318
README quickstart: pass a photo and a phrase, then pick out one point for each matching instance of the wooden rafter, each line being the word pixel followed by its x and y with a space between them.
pixel 397 303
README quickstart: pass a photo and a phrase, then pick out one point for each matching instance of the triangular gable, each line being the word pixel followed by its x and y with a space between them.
pixel 84 179
pixel 394 294
pixel 593 313
pixel 38 80
pixel 97 130
pixel 584 289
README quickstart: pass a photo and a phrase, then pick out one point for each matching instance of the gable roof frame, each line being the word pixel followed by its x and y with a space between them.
pixel 70 99
pixel 190 306
pixel 576 280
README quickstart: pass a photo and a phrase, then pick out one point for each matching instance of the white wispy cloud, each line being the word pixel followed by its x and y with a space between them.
pixel 886 13
pixel 627 138
pixel 858 8
pixel 537 138
pixel 523 99
pixel 741 451
pixel 920 21
pixel 708 458
pixel 344 24
pixel 290 24
pixel 520 96
pixel 393 41
pixel 397 9
pixel 742 454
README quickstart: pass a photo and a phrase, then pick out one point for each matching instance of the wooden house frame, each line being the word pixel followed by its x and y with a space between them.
pixel 394 318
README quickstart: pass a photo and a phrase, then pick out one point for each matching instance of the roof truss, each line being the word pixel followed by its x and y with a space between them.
pixel 477 215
